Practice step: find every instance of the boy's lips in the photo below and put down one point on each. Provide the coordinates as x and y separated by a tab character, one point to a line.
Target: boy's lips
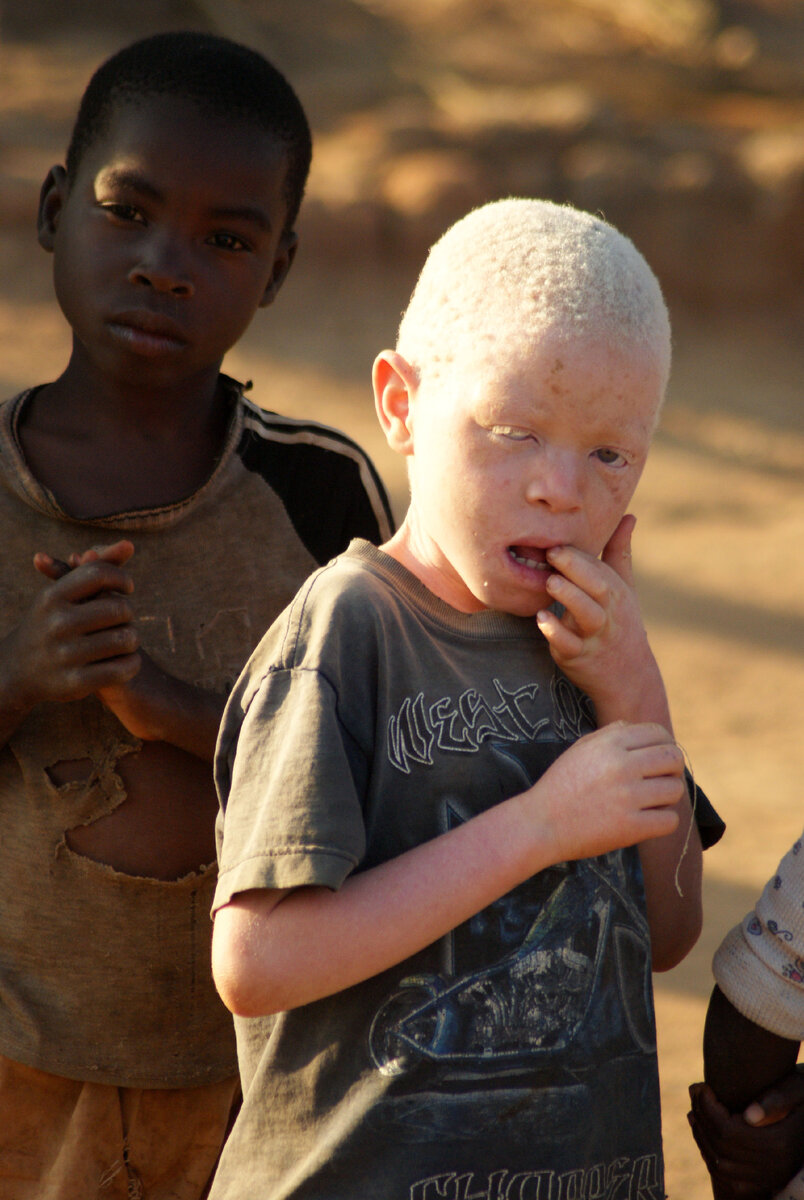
147	333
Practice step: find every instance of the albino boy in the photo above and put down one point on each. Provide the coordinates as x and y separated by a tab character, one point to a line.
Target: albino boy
431	864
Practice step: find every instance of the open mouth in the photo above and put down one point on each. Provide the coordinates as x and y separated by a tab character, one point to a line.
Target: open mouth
525	556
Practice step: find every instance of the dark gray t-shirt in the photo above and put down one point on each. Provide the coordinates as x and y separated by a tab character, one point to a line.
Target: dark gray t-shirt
515	1058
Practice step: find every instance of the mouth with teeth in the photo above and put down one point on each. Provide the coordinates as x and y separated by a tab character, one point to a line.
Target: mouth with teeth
524	556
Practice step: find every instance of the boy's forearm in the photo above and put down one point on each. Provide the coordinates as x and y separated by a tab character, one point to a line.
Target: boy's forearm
156	706
642	697
193	720
278	950
672	868
742	1060
307	943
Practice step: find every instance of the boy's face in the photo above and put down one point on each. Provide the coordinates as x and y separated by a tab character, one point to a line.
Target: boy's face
512	457
168	240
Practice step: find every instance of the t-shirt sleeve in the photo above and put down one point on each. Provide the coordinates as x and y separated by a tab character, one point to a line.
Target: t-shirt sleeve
759	965
292	816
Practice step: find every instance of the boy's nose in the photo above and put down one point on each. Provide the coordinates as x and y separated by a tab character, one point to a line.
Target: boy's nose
556	483
162	269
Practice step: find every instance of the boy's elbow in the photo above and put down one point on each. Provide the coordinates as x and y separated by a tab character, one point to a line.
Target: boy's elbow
237	966
675	942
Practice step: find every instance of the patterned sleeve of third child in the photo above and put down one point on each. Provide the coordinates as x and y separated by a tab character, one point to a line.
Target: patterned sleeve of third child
759	965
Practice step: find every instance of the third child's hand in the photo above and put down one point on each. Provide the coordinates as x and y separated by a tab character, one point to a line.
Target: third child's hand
748	1162
612	788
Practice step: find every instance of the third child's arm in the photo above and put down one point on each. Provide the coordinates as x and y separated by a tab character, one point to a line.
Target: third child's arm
748	1118
274	950
600	643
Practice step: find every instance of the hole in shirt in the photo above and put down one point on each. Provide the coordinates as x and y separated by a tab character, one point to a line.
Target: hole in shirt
164	825
69	770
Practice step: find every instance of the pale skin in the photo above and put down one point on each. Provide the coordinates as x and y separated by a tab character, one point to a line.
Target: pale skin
277	949
599	643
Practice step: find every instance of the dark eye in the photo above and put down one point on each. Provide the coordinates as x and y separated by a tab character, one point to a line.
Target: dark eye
228	241
124	212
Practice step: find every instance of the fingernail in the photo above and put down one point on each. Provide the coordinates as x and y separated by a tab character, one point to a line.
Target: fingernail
754	1114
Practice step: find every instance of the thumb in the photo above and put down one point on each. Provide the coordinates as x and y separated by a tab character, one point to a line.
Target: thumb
617	552
778	1101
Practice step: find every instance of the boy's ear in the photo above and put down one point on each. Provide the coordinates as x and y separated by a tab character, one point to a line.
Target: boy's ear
395	384
51	201
285	254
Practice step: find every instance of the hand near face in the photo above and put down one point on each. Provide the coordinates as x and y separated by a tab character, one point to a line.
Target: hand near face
599	640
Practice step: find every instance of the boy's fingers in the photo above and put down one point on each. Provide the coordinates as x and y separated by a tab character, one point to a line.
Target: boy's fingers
584	608
659	761
85	581
51	568
775	1104
562	640
579	568
645	733
116	552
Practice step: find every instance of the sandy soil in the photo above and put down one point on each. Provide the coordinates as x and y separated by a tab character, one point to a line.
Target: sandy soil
720	510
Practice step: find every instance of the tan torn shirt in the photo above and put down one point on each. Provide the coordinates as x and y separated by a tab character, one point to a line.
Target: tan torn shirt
106	976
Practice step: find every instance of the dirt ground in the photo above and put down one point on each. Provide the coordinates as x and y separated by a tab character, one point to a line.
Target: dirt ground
720	510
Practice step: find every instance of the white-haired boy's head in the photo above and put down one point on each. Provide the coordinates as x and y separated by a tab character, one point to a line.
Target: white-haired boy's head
516	271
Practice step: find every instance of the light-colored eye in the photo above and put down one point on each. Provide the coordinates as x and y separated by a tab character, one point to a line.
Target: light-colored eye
609	457
512	433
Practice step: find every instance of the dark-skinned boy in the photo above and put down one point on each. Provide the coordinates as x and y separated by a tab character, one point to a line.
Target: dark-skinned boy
169	520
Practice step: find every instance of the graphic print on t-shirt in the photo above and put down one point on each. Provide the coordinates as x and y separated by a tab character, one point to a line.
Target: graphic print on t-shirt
543	999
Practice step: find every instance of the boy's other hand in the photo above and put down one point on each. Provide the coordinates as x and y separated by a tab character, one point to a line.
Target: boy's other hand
746	1161
612	788
599	640
55	568
150	703
77	636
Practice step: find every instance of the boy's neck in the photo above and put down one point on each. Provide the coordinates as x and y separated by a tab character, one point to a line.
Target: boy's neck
104	448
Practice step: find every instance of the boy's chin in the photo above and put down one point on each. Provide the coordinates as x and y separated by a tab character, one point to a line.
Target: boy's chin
513	604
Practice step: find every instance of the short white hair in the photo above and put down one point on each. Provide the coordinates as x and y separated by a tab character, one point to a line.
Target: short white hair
516	270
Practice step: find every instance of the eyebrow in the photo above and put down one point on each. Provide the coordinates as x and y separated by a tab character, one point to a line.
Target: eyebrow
129	177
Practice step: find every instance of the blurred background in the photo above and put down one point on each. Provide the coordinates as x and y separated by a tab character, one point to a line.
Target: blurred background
682	122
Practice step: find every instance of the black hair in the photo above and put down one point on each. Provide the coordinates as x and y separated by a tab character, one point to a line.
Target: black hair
222	77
